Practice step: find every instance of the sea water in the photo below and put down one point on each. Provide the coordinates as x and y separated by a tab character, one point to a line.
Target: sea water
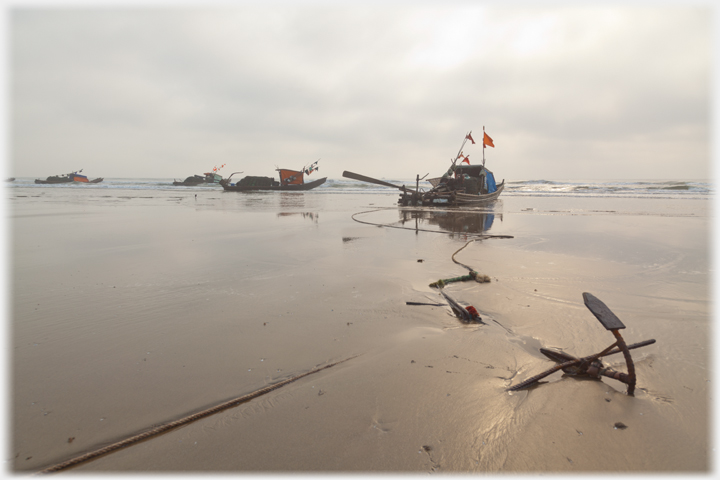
695	189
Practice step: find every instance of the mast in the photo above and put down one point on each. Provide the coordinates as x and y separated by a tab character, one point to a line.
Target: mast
461	146
483	145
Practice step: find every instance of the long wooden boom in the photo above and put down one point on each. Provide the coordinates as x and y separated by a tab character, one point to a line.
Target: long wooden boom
363	178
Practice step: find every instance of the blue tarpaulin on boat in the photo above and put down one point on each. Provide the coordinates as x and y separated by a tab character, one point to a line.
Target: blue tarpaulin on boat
490	179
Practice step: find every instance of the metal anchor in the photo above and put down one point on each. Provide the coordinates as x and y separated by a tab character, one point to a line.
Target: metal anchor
591	365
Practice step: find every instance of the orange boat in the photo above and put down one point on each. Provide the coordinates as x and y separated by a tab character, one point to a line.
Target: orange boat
70	177
290	180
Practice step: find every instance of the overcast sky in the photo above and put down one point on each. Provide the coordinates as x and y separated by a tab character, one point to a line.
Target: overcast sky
388	90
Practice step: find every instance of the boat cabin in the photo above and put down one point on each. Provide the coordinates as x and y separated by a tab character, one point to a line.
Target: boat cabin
474	179
290	177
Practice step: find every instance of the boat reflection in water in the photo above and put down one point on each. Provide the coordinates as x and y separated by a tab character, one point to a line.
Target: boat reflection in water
312	216
462	222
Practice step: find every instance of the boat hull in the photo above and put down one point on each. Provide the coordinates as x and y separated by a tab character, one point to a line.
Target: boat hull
54	182
193	184
466	199
282	188
429	199
198	180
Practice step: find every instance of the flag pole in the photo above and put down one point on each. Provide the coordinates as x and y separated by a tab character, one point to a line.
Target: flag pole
483	145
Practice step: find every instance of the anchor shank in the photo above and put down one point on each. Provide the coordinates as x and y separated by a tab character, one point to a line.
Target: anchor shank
628	360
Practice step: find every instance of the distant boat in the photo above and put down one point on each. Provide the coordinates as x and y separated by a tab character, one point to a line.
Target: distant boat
68	178
11	179
56	179
460	185
290	180
195	180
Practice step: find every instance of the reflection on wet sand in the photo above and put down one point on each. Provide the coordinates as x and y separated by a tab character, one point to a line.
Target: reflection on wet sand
292	199
455	221
312	216
283	201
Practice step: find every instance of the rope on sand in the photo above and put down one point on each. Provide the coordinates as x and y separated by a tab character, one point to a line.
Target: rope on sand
473	275
458	251
183	421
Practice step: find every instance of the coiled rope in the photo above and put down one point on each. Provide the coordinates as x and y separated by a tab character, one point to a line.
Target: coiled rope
183	421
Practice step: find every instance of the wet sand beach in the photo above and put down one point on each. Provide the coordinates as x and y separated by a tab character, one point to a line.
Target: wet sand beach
132	309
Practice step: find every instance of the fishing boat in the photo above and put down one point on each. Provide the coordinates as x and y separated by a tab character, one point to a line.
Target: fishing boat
68	178
195	180
461	185
290	180
209	178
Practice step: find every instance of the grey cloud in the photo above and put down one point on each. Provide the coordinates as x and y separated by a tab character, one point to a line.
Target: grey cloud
385	90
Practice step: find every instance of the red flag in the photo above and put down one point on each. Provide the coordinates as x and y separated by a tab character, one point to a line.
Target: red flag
487	140
467	160
469	137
